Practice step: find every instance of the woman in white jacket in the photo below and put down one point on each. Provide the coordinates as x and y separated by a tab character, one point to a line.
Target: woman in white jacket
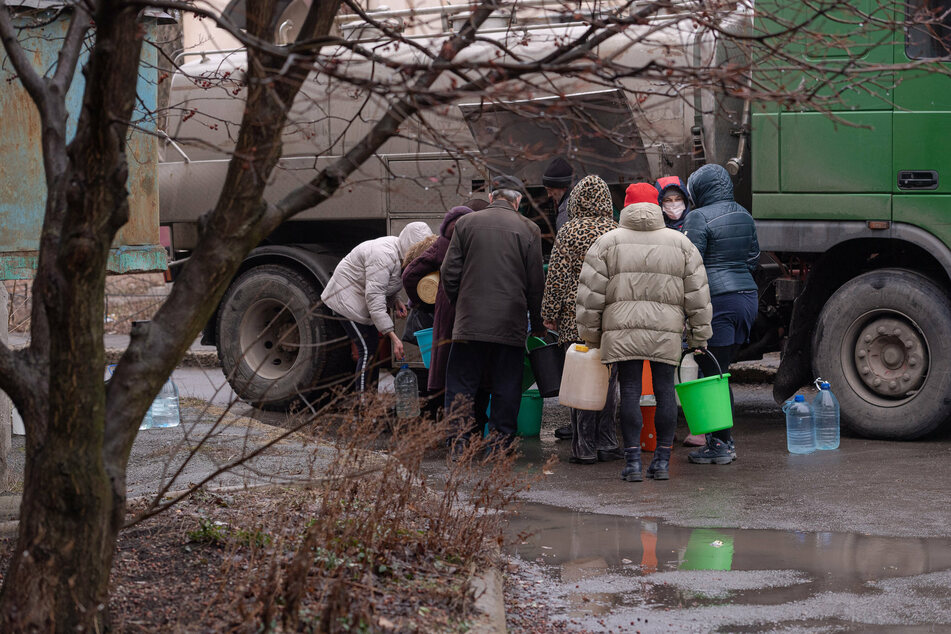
363	287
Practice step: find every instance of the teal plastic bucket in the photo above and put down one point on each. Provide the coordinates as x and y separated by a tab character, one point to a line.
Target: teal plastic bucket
424	339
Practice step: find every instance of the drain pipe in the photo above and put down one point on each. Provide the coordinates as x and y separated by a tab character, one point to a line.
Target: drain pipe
734	165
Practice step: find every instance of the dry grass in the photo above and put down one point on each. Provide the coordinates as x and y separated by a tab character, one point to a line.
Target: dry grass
375	542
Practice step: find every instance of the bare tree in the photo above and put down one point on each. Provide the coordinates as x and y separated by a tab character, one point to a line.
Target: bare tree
80	433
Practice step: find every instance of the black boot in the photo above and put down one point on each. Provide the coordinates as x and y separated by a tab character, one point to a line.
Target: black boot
659	468
632	470
564	432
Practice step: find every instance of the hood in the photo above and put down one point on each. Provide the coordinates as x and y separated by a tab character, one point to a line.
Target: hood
449	220
410	235
642	217
710	184
672	182
590	198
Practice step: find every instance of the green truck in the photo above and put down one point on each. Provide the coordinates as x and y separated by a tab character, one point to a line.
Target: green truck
835	135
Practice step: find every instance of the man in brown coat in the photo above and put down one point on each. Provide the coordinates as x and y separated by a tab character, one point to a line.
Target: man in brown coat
493	274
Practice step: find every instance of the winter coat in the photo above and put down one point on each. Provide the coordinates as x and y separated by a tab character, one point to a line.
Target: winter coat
638	283
722	230
368	278
591	216
445	313
664	185
562	216
493	274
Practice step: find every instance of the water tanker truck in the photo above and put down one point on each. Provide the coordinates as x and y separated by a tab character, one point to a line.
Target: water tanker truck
851	209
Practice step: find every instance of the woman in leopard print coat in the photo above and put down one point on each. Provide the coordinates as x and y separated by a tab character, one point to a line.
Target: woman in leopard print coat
590	215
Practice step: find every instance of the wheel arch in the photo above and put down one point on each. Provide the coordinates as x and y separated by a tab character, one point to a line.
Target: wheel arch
905	247
311	261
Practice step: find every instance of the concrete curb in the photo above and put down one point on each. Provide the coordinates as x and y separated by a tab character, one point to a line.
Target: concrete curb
489	604
192	359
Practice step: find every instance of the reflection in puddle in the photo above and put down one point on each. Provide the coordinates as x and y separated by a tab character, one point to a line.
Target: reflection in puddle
603	562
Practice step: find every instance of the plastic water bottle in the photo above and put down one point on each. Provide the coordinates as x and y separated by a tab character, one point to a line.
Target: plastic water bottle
689	371
825	410
407	393
800	426
165	411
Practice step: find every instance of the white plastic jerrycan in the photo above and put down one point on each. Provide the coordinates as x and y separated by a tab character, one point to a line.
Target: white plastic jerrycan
584	381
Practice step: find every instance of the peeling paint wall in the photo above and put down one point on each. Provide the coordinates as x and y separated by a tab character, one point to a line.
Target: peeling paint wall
22	180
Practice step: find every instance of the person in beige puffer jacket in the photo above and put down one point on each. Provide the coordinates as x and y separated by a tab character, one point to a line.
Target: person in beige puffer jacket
638	284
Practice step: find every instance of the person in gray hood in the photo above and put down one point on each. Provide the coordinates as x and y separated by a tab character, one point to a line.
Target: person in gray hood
725	234
362	289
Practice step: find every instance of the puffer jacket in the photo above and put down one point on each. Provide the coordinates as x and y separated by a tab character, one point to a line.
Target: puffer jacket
638	284
590	212
369	277
722	230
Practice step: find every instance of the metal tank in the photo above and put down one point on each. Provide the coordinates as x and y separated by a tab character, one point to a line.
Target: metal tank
626	131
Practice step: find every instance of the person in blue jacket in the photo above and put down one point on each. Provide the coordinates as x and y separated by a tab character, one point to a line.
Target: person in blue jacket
725	234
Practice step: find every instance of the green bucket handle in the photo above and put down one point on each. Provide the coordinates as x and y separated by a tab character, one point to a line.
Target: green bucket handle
706	352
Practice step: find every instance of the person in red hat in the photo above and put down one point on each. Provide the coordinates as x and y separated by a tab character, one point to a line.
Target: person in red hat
639	284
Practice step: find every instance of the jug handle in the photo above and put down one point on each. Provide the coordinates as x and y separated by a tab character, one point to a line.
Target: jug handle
706	352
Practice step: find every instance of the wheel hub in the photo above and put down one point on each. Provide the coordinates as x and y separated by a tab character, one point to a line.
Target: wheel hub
891	357
270	338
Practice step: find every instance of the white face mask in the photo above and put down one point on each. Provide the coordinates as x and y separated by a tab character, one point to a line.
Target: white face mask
674	210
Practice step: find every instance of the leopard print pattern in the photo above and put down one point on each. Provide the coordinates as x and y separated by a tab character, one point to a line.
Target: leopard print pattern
590	214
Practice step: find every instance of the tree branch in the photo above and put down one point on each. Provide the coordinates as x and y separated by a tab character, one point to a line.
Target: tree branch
31	80
69	53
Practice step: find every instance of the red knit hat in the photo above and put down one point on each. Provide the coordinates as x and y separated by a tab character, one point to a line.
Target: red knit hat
640	193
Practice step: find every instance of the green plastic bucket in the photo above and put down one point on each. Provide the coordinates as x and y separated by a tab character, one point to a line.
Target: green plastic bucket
529	418
708	549
706	402
530	413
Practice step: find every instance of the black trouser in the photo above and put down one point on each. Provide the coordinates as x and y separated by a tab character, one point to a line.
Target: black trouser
591	430
665	417
367	338
473	364
724	356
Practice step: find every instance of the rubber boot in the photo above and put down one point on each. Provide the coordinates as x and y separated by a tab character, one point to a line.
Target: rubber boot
659	468
632	470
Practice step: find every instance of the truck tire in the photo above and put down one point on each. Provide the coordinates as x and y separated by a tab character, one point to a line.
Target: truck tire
883	341
273	335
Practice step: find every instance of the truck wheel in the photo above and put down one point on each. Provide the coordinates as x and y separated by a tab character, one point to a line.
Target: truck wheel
883	342
272	331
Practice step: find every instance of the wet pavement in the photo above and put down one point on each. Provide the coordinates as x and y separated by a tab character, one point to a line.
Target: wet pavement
606	572
857	539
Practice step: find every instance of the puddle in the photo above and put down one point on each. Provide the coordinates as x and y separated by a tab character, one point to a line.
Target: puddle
598	566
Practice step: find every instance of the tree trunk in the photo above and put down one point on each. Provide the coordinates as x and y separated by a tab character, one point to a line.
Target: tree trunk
59	576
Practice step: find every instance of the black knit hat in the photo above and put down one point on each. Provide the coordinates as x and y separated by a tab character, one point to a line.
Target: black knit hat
558	174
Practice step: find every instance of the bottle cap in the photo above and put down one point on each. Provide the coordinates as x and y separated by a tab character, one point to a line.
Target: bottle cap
581	347
405	366
825	386
800	398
